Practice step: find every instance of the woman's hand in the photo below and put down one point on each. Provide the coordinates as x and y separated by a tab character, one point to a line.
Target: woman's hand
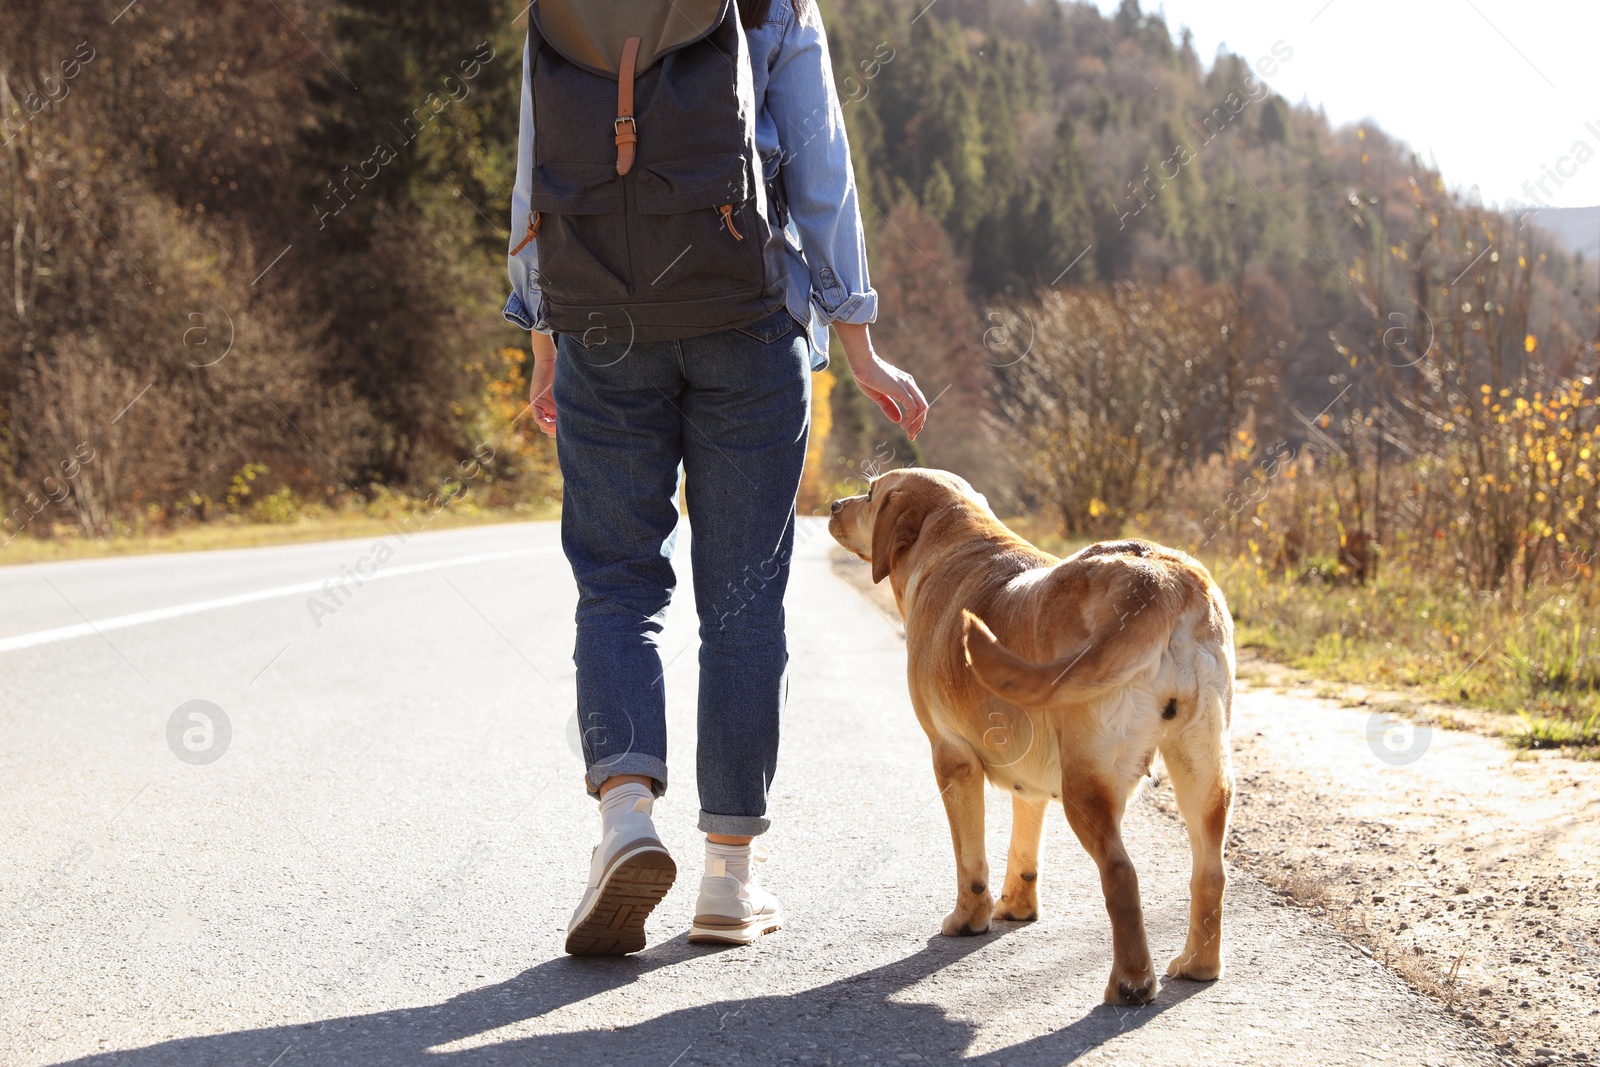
886	385
541	382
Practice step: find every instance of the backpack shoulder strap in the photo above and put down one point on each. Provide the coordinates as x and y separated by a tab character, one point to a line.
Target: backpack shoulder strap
593	33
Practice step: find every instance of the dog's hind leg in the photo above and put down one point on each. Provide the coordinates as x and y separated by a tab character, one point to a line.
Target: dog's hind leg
1197	759
1094	808
1019	899
960	778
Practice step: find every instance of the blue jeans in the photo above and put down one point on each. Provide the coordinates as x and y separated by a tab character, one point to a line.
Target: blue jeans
734	408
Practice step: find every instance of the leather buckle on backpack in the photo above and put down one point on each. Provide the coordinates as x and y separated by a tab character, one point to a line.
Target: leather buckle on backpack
626	141
627	137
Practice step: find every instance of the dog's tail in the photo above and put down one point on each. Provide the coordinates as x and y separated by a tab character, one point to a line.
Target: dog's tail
1100	666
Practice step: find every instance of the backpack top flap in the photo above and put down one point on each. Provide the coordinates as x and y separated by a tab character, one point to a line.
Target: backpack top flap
591	33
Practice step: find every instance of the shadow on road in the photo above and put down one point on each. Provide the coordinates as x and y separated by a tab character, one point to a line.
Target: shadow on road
852	1020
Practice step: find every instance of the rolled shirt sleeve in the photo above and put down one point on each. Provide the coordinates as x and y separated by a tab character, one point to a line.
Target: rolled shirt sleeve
817	176
525	305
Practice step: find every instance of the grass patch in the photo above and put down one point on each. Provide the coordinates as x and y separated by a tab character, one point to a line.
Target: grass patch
1533	656
1560	733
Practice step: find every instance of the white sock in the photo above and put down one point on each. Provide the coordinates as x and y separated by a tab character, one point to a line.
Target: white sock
630	796
730	861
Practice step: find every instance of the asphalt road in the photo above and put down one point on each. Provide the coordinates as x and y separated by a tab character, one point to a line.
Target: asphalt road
378	867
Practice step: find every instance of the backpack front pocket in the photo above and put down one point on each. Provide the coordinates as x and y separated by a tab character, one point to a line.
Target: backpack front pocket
695	231
584	229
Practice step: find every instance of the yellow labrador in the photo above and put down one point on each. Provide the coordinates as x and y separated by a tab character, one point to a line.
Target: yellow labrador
1058	679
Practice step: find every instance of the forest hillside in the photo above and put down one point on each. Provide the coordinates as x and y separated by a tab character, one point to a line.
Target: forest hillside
254	262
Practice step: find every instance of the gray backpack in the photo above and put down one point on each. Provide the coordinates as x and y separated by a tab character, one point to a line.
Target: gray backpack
647	201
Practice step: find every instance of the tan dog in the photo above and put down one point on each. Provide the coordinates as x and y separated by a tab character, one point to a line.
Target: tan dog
1058	679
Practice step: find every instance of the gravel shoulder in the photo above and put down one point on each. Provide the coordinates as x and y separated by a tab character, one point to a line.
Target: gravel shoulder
1465	865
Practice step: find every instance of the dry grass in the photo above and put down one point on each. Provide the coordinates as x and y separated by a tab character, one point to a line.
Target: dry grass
1308	888
1532	657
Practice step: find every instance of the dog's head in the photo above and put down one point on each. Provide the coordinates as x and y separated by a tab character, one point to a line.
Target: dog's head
882	525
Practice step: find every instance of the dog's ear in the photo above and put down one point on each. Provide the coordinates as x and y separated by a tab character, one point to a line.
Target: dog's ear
894	530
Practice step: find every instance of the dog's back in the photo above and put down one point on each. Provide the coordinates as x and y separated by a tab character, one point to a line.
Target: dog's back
1102	619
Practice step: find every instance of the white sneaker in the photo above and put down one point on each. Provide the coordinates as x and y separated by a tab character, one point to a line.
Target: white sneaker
628	875
734	912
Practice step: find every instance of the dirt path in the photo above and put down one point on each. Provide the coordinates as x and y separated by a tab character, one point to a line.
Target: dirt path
1468	868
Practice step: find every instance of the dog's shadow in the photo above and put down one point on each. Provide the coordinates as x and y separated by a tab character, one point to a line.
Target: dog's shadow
852	1020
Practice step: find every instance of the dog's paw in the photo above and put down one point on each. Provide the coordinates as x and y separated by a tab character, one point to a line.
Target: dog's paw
974	905
1133	986
1195	966
967	920
1020	908
955	925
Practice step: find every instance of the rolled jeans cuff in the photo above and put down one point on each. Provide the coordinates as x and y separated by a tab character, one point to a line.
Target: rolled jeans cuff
628	763
734	825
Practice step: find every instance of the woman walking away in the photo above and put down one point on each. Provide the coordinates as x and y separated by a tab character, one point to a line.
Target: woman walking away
685	230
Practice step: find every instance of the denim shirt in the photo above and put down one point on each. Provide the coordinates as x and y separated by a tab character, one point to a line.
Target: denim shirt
800	128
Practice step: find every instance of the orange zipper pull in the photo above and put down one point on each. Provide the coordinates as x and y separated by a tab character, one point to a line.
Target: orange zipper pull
534	218
727	220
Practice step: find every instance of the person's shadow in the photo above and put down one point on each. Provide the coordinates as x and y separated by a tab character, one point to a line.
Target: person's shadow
851	1021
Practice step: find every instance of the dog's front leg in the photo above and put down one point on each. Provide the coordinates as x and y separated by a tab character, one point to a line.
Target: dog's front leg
960	778
1019	898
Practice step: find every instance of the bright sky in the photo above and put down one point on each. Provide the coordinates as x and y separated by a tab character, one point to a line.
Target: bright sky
1492	91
